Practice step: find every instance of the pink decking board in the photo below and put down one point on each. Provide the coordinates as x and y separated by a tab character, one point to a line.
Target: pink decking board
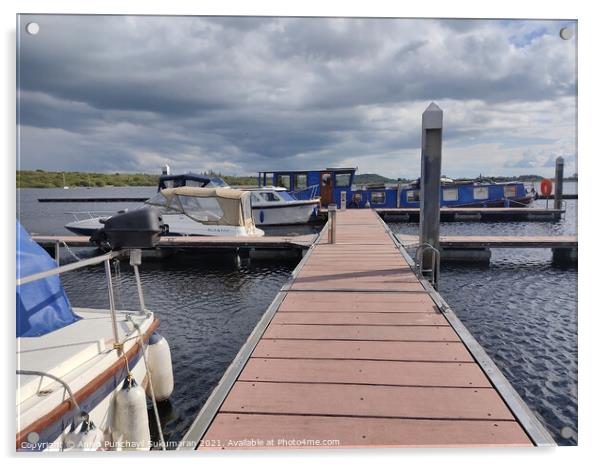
358	355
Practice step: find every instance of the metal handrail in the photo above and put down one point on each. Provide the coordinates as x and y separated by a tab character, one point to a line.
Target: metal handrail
435	262
313	189
69	267
53	377
106	258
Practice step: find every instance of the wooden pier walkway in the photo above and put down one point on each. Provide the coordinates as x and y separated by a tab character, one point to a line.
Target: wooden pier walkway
356	352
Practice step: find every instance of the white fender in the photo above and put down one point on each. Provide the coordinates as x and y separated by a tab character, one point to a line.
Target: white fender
158	356
130	419
83	437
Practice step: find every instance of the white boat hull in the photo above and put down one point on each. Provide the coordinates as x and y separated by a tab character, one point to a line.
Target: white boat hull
290	213
81	362
177	225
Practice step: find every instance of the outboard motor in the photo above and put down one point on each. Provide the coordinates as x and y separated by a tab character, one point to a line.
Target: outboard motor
138	229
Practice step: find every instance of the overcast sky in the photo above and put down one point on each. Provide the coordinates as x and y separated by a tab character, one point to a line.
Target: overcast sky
237	95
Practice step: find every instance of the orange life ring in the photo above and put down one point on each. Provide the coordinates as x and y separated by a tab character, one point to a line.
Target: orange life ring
546	187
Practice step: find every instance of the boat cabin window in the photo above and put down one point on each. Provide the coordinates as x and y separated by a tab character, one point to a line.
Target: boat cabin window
188	182
301	181
204	209
269	197
268	179
284	181
510	191
255	198
482	192
450	194
342	180
325	179
413	195
377	197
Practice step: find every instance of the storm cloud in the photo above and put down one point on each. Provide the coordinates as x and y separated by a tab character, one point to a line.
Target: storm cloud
236	95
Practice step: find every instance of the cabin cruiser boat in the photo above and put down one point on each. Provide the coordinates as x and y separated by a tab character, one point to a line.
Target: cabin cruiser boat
275	206
192	211
271	205
83	374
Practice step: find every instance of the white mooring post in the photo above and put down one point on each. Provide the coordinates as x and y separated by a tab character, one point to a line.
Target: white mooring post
343	200
332	223
558	183
430	181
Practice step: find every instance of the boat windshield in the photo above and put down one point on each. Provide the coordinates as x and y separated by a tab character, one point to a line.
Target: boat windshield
286	196
163	204
217	183
269	196
204	209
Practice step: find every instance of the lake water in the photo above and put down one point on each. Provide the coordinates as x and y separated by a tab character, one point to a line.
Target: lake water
521	309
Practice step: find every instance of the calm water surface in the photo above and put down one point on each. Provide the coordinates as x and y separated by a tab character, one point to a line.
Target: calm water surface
521	309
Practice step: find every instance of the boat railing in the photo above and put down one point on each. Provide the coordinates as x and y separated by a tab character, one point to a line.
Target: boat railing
135	256
135	259
313	191
91	214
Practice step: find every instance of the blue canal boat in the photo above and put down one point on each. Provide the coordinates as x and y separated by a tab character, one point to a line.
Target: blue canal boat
333	184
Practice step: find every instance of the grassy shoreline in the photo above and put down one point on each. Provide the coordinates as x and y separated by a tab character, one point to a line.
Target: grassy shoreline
48	179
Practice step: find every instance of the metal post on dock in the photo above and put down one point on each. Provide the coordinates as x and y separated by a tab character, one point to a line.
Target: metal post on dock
112	306
135	261
343	200
57	252
430	181
332	223
558	183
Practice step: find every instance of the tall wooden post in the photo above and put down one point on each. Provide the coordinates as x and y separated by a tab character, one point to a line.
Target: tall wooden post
558	183
430	178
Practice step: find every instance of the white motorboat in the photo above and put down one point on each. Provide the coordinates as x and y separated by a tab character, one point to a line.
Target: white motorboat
83	374
275	206
192	211
271	205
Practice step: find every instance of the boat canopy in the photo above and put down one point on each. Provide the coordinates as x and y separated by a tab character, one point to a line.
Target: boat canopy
190	179
214	206
42	305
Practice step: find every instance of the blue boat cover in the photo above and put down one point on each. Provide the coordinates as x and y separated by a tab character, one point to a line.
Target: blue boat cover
42	306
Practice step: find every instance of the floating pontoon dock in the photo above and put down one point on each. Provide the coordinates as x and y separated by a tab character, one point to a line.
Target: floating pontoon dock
257	247
454	248
477	248
357	350
472	214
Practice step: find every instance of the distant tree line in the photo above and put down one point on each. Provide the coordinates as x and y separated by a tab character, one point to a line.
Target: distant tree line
233	180
46	179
